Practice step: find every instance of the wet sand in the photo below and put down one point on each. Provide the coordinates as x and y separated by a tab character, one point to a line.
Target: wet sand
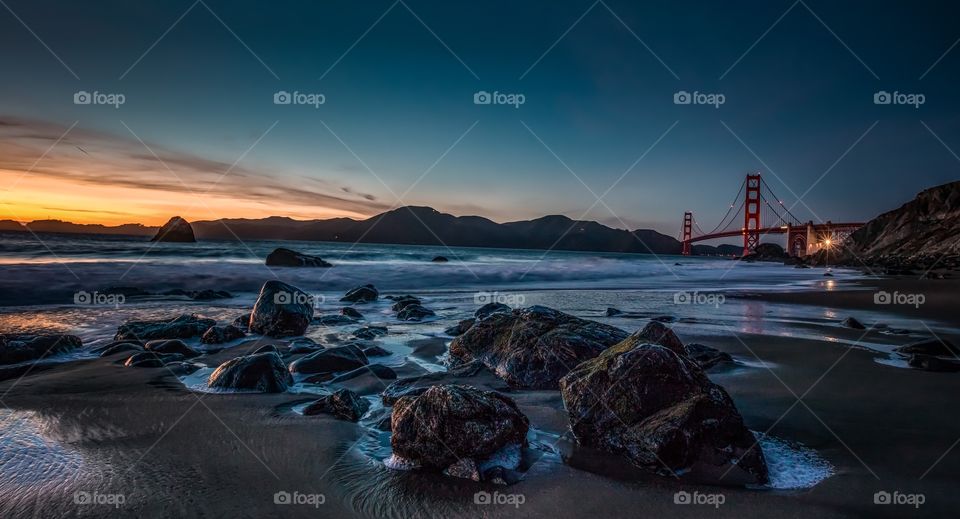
172	452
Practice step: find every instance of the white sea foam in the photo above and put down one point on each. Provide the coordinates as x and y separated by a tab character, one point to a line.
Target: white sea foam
793	466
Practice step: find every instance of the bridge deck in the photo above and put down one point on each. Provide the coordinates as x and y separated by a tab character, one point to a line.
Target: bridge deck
844	226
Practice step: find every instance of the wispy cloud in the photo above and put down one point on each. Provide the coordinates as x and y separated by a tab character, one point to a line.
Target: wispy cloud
93	157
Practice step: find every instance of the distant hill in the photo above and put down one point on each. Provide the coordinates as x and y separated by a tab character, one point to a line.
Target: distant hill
416	226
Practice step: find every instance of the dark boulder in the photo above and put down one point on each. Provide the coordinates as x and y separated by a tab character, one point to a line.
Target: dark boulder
343	404
171	346
242	322
930	347
150	359
263	372
491	308
175	230
282	257
932	363
852	322
460	328
533	347
656	332
361	294
707	357
181	327
414	313
440	259
16	347
401	302
340	358
222	334
281	310
349	311
657	408
613	311
451	422
370	332
378	370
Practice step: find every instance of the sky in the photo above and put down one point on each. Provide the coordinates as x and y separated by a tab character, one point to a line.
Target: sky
183	117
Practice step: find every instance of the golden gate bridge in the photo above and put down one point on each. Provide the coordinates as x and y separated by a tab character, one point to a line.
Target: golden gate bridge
759	213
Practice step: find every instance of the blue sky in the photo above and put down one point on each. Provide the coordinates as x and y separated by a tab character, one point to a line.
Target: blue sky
598	79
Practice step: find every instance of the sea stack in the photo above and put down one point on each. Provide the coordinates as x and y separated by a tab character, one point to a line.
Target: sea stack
175	230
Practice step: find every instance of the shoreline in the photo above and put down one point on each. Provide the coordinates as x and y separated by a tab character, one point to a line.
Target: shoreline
170	450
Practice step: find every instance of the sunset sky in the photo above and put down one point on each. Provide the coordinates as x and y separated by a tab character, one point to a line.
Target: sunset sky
199	134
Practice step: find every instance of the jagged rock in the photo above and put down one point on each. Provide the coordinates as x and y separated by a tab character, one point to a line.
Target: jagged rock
852	322
460	328
930	347
707	357
282	257
17	347
340	358
656	332
263	372
181	327
281	310
401	302
655	407
491	308
440	259
378	370
222	334
451	422
171	346
343	404
414	312
370	332
150	359
351	312
362	294
175	230
932	363
533	347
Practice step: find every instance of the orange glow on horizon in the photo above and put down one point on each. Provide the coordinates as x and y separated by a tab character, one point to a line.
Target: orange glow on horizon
35	197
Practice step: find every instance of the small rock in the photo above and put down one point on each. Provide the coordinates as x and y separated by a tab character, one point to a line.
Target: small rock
222	334
263	372
171	346
332	320
343	404
611	311
414	312
707	357
851	322
340	358
930	347
149	359
370	332
282	257
351	312
401	302
440	259
362	294
181	327
378	370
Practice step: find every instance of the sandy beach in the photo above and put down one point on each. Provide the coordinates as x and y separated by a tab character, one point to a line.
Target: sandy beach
170	451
